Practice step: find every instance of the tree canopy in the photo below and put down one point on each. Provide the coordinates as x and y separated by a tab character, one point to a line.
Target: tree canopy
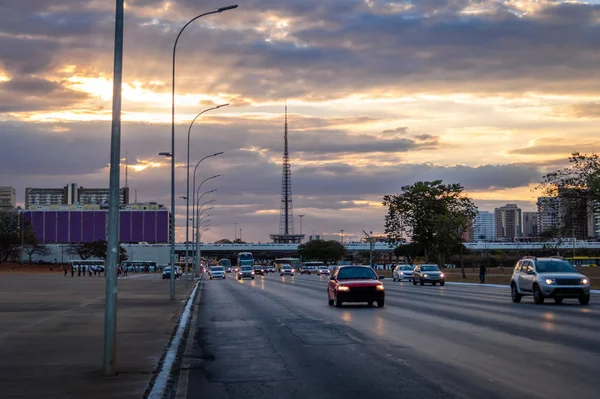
95	249
321	250
434	214
10	236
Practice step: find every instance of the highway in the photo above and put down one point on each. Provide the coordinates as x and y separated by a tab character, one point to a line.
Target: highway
277	338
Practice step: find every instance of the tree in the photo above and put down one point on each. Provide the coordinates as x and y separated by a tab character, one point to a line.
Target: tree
577	190
223	241
409	251
321	250
95	249
31	245
436	214
10	236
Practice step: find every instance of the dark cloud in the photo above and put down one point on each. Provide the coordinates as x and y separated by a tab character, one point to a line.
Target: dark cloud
23	94
555	146
584	111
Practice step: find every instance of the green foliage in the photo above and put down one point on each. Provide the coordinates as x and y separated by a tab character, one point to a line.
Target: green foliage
95	249
435	215
409	251
320	250
10	236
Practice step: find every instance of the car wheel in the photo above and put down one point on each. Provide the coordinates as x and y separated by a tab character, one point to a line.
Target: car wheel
331	302
538	297
434	283
252	278
514	294
394	278
442	283
421	282
370	304
380	303
338	303
414	282
211	277
558	300
584	299
239	278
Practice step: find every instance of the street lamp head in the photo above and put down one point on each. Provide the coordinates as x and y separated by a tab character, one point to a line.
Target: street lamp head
217	153
183	197
222	105
227	8
166	154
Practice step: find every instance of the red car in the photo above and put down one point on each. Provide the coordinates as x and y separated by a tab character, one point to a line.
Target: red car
355	284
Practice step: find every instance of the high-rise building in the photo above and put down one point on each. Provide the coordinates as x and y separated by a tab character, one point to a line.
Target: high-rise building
71	194
483	226
286	216
547	214
508	219
8	198
530	224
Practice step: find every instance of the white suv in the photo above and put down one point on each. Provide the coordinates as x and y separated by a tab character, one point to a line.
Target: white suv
551	277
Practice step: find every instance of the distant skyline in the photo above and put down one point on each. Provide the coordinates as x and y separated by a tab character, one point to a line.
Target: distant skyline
490	94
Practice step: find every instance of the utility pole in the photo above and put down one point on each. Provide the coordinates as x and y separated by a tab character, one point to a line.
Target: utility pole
370	237
342	234
235	232
301	216
113	250
240	235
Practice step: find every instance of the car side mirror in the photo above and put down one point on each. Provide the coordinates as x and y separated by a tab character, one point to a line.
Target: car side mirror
381	277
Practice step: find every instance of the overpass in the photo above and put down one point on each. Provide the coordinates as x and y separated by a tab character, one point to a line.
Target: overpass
160	252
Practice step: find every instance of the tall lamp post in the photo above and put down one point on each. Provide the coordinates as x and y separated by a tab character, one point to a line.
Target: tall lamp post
172	232
187	204
172	238
112	259
370	237
197	190
199	208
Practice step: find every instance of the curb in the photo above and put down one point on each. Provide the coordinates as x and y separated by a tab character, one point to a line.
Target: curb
499	286
161	382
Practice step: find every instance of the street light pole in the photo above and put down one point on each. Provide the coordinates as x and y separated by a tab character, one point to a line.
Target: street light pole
197	266
370	237
187	184
113	253
172	230
342	235
193	194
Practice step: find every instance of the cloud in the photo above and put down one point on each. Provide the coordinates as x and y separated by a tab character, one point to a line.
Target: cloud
26	94
583	111
556	146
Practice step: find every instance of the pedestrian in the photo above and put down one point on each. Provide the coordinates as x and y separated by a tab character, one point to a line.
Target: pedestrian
482	271
79	271
72	271
65	269
90	270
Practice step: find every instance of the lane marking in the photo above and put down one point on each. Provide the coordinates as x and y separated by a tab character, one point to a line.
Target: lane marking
160	383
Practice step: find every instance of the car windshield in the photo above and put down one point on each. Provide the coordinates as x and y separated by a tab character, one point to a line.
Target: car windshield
430	269
356	273
286	267
246	268
554	266
323	268
405	268
217	269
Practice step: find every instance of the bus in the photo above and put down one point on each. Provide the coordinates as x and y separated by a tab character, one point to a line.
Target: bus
295	262
245	259
584	261
226	263
139	266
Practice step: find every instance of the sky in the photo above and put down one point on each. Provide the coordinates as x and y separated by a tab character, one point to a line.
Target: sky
490	94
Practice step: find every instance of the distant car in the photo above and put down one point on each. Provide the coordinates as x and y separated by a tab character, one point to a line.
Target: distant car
269	269
430	274
246	272
402	272
551	277
323	271
259	270
216	272
167	273
305	270
355	284
228	270
286	270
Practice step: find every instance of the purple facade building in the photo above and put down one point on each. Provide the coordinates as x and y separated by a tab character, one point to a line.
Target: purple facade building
69	226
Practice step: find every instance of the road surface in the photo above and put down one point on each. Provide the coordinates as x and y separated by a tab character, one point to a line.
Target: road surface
277	338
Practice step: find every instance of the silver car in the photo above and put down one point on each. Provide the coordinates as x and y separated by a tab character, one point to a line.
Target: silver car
286	270
216	272
551	277
402	272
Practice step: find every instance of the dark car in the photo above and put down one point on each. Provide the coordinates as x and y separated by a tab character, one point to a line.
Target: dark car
259	270
430	274
246	272
355	284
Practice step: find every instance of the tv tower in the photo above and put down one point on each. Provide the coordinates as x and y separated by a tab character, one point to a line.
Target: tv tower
286	214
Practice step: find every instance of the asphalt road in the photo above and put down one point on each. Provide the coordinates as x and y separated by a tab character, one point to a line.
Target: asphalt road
276	337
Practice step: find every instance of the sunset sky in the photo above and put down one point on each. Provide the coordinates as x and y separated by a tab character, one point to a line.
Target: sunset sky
490	94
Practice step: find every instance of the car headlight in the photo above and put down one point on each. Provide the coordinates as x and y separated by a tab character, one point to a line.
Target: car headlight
550	281
426	275
402	273
293	270
343	288
380	287
442	275
252	272
585	281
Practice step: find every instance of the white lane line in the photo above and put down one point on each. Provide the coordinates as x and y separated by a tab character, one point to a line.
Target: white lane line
500	286
160	383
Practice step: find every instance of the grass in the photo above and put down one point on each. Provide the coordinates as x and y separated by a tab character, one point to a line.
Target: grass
500	275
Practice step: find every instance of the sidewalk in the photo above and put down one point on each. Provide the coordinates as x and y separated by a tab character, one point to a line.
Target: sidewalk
52	332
